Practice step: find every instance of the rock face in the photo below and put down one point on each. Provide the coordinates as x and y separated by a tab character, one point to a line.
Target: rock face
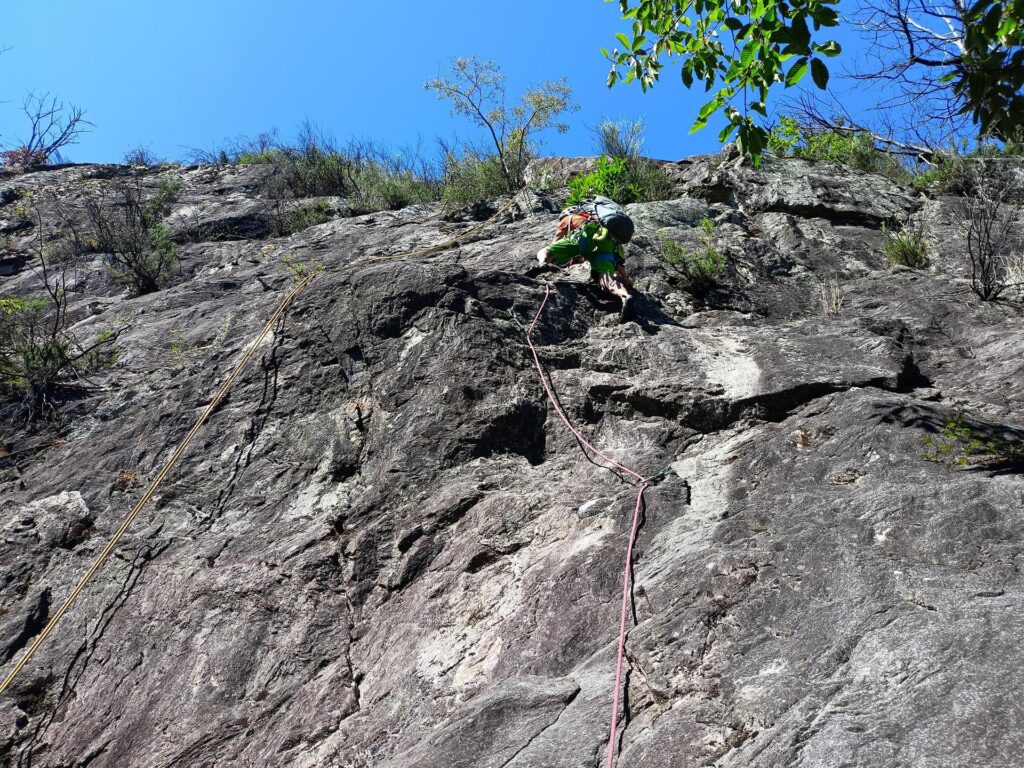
384	549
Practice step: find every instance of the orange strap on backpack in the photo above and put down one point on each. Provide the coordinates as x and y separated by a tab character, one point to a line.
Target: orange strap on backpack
570	222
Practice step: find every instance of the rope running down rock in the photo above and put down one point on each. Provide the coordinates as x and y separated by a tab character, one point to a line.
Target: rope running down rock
187	440
644	483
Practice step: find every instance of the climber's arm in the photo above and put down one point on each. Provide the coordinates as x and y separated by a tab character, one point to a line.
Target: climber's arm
620	270
561	252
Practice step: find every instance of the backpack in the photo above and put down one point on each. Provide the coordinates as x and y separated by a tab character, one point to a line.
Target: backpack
610	214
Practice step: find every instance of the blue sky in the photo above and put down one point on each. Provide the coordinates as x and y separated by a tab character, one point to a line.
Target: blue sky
183	74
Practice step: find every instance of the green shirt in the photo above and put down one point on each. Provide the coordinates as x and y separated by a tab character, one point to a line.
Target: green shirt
592	242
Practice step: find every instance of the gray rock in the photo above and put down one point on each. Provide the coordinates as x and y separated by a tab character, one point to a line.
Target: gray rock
385	549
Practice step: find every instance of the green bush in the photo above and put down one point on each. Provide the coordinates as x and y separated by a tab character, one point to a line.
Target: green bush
960	443
384	189
906	247
625	180
609	179
39	356
261	157
696	271
306	216
947	175
847	148
139	250
784	138
620	138
371	177
955	171
471	178
32	359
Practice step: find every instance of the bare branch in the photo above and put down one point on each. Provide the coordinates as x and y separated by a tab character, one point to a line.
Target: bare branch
52	126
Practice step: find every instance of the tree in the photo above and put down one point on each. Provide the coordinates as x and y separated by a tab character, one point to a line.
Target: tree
476	89
40	356
52	125
989	216
936	67
743	46
138	248
947	59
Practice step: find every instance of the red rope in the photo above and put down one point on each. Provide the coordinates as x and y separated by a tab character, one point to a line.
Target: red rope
632	534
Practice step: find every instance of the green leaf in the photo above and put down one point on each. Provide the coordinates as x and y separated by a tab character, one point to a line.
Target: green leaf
749	51
697	125
831	48
819	72
638	42
796	72
726	132
687	75
604	52
801	34
991	21
708	108
622	39
733	23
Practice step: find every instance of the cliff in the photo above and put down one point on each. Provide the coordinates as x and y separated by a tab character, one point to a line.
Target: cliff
384	549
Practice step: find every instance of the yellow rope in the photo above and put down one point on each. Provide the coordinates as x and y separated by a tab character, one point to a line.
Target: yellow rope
183	445
102	558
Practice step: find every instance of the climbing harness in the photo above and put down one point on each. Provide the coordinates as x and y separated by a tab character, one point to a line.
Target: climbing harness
217	398
643	484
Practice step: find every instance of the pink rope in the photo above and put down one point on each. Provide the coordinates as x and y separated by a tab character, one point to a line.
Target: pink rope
632	534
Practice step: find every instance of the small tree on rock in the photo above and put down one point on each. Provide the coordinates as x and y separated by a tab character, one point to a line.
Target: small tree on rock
52	127
476	89
989	217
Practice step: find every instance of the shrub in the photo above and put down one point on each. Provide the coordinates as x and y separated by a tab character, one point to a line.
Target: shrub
620	138
625	180
371	177
696	271
960	443
906	247
32	359
139	250
22	158
989	217
783	138
609	179
38	354
141	156
850	148
622	173
304	217
316	173
392	182
253	149
954	171
471	177
948	174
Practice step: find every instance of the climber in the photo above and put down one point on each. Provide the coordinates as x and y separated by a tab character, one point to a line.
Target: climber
595	231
